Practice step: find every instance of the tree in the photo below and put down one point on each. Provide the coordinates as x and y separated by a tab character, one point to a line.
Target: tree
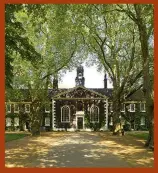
57	50
16	40
142	16
69	33
112	38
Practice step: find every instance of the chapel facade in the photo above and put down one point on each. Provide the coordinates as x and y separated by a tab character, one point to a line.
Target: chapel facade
78	108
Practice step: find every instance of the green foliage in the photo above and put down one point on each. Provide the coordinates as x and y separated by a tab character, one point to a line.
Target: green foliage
14	136
42	41
127	127
140	135
16	41
96	125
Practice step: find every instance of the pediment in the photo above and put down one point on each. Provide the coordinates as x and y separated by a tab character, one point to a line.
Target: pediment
80	92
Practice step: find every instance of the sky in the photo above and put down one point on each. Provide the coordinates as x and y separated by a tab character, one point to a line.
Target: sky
93	78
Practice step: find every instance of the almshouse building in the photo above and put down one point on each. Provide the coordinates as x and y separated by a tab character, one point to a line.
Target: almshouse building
78	108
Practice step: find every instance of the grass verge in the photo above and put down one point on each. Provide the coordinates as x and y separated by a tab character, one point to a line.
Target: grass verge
140	135
14	136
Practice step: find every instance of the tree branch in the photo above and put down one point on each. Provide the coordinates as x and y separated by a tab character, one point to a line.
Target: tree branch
62	66
133	91
103	55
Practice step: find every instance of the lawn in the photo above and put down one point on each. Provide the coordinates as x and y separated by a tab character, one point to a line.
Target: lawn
14	136
140	135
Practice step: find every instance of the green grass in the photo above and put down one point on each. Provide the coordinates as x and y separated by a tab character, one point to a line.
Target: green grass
14	136
140	135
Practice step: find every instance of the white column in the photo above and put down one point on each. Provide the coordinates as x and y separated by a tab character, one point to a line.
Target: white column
106	114
106	127
53	114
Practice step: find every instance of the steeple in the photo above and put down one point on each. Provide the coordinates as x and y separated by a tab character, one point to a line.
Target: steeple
80	80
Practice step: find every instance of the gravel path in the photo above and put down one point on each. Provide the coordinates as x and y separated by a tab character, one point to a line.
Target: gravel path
80	149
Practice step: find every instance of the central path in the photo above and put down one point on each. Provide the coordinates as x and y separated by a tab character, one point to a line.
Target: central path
78	149
84	150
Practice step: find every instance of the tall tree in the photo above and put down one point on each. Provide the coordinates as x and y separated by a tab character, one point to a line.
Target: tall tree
142	16
16	40
113	39
57	49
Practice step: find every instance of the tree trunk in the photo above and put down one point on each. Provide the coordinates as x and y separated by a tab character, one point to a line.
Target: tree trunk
150	141
36	118
35	128
147	84
21	125
117	126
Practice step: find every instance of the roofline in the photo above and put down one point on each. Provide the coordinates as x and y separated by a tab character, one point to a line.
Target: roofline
71	89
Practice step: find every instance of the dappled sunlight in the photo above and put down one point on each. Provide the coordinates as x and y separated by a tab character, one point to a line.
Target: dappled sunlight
130	149
82	149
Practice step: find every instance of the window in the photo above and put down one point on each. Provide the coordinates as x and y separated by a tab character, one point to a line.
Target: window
16	121
27	108
16	108
132	107
47	121
8	122
142	107
47	108
110	107
8	108
122	107
142	121
94	114
111	121
65	114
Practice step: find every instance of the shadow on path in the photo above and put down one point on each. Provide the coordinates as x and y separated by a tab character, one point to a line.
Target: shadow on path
81	149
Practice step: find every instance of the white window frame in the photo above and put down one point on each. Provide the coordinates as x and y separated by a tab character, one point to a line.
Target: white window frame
8	123
123	107
130	110
111	121
142	121
29	108
111	107
46	123
91	114
141	107
14	108
47	111
16	121
68	114
7	108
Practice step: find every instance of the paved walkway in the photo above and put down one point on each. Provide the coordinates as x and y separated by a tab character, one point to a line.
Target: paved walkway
80	149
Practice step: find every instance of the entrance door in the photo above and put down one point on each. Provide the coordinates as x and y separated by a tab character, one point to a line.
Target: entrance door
80	122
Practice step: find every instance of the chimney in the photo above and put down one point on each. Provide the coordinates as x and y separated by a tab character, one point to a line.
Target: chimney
55	83
105	81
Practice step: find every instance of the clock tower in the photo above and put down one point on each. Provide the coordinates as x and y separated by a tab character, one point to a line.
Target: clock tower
80	80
